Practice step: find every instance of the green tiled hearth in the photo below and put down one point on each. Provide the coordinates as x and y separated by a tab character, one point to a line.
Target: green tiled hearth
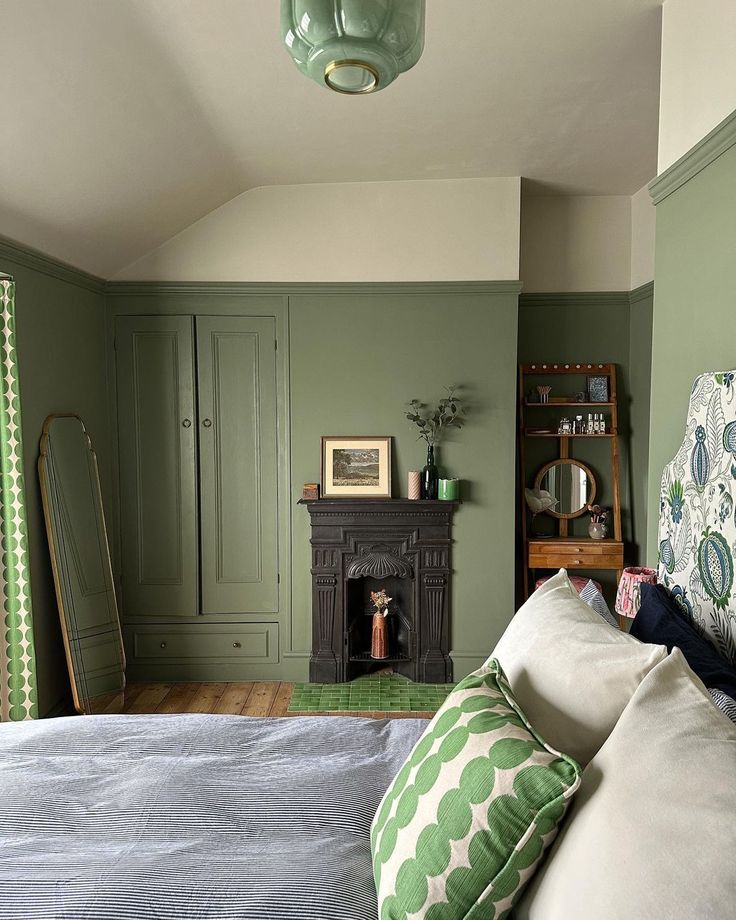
375	693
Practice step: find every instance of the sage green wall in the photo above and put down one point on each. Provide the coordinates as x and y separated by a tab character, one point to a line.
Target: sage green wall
61	355
640	387
355	360
694	306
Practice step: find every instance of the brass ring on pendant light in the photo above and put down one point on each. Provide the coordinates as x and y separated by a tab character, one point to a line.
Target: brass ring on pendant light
336	65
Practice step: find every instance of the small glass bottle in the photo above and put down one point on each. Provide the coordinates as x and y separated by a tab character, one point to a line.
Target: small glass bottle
590	423
602	425
596	425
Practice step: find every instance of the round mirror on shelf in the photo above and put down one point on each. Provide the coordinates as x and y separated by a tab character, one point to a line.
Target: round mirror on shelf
571	483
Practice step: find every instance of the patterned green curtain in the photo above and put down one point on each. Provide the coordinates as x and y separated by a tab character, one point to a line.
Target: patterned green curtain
17	658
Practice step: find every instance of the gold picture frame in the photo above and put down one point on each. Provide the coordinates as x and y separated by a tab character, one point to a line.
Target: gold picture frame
355	467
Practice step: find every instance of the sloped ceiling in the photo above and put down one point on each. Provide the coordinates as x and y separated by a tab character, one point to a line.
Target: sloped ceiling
124	121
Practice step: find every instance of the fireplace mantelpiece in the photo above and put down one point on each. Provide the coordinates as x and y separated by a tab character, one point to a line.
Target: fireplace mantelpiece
402	545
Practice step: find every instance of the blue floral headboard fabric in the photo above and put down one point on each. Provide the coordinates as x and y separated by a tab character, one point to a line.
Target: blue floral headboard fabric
697	523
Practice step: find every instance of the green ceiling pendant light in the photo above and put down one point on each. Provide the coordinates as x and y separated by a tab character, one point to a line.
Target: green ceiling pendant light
353	46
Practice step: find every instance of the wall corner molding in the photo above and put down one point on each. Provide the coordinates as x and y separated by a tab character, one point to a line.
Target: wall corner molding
127	288
720	139
643	292
32	258
575	298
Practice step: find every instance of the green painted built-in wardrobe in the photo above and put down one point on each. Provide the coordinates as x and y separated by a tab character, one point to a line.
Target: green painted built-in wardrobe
197	400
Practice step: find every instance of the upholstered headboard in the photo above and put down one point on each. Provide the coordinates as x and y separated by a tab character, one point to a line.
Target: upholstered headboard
697	523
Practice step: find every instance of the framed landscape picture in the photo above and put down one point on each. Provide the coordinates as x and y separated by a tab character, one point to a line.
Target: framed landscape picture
357	467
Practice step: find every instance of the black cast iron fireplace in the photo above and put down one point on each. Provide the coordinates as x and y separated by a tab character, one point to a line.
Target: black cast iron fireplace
363	545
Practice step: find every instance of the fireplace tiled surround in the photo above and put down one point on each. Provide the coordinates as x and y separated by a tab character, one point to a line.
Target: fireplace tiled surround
363	545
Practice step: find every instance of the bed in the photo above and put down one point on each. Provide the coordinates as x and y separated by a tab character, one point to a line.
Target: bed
193	816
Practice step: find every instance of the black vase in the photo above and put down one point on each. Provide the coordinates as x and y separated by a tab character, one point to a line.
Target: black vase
430	476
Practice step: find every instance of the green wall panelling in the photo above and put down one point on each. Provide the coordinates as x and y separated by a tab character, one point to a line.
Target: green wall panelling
695	298
356	358
62	358
640	387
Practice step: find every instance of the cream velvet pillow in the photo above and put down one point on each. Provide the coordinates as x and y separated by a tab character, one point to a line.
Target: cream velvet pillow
652	831
571	672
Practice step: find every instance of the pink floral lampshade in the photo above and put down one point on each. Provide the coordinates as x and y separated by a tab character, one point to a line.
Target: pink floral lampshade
628	597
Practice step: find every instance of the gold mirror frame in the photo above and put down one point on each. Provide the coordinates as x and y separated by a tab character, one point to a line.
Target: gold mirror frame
112	682
568	461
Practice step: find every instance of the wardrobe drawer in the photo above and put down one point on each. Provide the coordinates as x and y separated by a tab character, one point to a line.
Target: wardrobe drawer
249	642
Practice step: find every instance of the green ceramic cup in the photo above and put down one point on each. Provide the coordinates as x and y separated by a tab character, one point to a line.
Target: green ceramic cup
449	490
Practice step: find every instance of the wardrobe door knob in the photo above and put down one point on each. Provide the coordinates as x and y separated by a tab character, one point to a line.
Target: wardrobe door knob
237	645
207	423
163	645
187	423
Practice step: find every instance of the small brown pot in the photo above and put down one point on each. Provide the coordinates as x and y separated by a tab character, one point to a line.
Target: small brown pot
379	637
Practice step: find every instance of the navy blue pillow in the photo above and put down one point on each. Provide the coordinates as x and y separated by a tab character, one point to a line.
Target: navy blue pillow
659	622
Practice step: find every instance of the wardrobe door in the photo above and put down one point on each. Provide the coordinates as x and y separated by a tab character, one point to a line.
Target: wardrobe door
236	360
157	430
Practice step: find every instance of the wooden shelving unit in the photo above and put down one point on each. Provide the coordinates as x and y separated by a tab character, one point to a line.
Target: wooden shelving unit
564	550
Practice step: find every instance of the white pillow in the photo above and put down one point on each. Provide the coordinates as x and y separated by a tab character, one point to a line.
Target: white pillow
652	831
571	673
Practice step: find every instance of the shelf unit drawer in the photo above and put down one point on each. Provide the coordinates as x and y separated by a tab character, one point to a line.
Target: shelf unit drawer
247	643
575	548
557	560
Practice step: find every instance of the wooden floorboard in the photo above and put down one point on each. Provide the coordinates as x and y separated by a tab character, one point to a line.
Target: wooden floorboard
148	699
179	698
234	698
261	697
281	700
249	698
207	697
131	694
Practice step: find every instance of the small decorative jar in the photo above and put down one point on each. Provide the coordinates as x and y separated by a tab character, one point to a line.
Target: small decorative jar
565	426
414	484
449	490
597	530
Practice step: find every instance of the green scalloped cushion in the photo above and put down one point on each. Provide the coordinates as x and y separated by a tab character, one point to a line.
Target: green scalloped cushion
463	825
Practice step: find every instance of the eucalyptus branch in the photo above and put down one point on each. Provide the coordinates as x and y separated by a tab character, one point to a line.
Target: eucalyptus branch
431	422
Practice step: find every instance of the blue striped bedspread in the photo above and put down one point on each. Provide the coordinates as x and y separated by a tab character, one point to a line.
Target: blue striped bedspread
193	816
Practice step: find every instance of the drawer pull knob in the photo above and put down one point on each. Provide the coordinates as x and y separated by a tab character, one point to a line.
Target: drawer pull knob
237	645
163	645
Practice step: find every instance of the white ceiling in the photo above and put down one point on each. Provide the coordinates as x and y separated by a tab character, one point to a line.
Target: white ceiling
124	121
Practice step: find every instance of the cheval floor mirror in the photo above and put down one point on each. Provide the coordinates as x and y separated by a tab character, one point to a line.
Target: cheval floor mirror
80	560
